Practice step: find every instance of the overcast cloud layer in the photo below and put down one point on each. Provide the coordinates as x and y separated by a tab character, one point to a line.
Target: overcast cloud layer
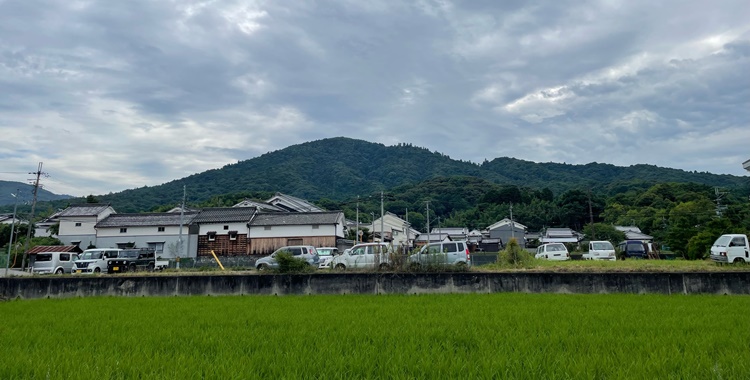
113	95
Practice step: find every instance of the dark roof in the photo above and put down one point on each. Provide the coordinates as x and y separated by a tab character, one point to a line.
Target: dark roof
145	219
54	248
296	218
224	214
86	209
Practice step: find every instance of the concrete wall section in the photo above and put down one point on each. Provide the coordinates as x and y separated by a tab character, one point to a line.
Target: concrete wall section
375	283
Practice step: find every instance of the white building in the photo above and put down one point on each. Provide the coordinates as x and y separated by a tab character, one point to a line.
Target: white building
399	230
270	231
158	231
78	222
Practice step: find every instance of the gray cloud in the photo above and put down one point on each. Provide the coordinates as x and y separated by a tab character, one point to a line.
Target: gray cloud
115	95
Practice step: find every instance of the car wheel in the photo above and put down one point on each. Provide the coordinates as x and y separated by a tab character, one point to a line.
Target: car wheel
262	267
384	266
59	271
97	270
132	268
150	267
738	260
340	266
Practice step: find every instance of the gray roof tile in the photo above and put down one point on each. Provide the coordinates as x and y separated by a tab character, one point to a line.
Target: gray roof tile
145	219
86	209
297	218
224	215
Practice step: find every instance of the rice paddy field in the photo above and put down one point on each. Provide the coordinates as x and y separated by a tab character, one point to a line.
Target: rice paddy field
509	335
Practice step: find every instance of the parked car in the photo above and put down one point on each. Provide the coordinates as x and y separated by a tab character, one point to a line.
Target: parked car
365	256
552	251
731	248
305	252
131	260
94	260
326	255
53	262
635	249
442	253
600	250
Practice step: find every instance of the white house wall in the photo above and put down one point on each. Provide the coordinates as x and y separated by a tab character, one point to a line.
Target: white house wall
240	227
292	231
68	226
140	231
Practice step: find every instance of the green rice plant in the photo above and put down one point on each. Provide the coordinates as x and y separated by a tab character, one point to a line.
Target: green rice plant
513	335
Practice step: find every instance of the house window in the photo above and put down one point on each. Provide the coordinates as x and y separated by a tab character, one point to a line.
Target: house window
158	247
316	226
160	229
123	230
78	224
267	228
226	228
211	235
232	235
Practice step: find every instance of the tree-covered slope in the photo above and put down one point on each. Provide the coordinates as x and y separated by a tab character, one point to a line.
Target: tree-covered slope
25	193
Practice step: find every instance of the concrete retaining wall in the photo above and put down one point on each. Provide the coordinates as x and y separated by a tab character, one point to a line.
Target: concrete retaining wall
375	283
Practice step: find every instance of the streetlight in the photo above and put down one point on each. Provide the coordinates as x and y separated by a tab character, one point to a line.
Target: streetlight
12	227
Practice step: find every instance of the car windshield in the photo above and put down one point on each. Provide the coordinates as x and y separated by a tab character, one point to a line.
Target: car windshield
91	256
325	251
602	246
722	241
556	247
636	247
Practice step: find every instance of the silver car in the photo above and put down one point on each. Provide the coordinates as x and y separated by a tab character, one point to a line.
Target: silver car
305	252
53	262
442	253
326	256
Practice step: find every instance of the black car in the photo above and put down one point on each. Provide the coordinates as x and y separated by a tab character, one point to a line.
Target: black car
131	260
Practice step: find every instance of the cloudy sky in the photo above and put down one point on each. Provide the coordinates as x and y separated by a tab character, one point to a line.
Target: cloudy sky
113	95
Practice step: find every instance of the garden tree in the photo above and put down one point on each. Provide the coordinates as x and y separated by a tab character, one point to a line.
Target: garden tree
19	233
686	220
603	231
514	255
574	208
54	229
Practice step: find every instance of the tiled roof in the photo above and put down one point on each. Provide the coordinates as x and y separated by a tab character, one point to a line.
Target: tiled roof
145	219
297	218
293	203
86	209
224	214
54	248
260	205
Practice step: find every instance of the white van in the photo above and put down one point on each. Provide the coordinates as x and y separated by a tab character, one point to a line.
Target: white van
366	255
731	248
442	253
53	262
600	250
95	260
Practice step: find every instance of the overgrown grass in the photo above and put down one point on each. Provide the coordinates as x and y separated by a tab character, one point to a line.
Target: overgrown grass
530	336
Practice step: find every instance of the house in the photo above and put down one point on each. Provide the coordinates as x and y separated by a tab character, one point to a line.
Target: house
270	231
9	219
423	239
261	206
634	233
456	233
158	231
292	204
77	223
397	230
560	235
506	229
222	230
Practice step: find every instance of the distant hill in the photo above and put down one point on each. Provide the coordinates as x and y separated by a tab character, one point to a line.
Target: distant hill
26	193
342	168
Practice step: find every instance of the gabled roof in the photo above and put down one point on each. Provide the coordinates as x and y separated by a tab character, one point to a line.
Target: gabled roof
262	206
146	219
85	209
54	248
224	215
297	218
293	204
433	237
450	230
628	228
505	222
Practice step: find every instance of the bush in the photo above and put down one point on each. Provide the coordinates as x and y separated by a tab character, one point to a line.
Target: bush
290	264
514	255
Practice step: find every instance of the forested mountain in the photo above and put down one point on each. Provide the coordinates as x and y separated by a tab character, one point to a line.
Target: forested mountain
341	168
25	193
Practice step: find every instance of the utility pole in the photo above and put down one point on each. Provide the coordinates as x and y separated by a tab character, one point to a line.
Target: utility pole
591	216
31	218
512	225
356	235
182	215
382	216
719	207
408	233
12	226
428	221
